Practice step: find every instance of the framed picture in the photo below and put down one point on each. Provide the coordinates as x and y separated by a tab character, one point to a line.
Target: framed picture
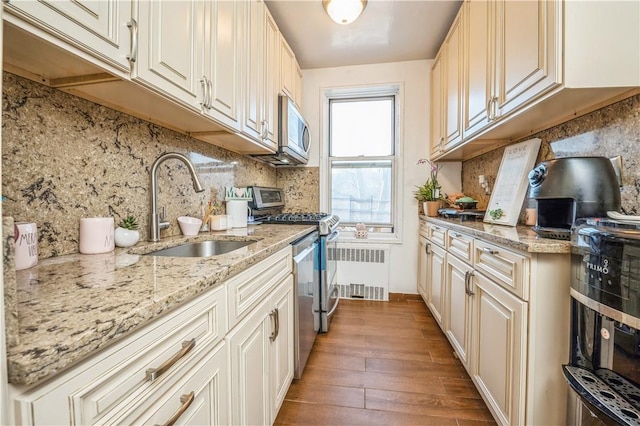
511	183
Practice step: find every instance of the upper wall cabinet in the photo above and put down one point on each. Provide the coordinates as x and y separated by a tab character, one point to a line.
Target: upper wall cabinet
528	65
452	80
170	52
98	30
437	105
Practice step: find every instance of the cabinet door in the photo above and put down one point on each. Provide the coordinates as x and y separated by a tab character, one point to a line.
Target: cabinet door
223	60
453	85
282	345
458	307
527	52
477	68
99	27
436	276
254	81
272	81
499	349
287	70
170	45
249	360
437	105
298	93
423	253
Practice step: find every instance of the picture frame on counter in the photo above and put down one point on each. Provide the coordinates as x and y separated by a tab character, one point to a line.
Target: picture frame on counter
511	183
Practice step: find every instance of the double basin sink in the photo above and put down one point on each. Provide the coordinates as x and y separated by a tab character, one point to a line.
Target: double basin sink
202	248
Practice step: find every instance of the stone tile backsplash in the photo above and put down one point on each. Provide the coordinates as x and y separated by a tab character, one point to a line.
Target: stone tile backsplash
611	131
64	158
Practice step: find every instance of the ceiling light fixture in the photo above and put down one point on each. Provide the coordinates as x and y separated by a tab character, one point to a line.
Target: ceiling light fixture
344	11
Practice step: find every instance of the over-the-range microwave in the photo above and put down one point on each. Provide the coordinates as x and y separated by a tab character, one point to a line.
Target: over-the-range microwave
293	136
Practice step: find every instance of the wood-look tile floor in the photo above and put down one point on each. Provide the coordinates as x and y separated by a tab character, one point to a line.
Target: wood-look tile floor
383	363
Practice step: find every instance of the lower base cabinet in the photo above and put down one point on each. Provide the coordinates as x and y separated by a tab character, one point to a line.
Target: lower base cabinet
185	366
261	359
506	315
499	330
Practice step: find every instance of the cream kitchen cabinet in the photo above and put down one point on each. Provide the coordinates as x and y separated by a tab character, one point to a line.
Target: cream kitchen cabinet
423	252
499	351
142	376
506	314
452	81
261	358
437	105
299	88
526	66
262	75
228	348
434	267
170	55
287	69
457	297
97	28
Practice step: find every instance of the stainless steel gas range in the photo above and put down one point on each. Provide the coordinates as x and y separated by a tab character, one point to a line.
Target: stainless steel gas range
267	207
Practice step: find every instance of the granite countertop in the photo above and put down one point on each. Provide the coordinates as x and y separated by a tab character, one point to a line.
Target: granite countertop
519	237
70	306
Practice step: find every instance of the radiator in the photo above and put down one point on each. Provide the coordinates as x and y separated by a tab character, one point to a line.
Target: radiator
362	273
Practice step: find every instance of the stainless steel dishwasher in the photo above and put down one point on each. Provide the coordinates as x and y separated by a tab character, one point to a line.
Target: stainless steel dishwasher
307	300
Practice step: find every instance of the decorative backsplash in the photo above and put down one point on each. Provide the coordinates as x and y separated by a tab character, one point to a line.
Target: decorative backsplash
609	132
301	186
65	158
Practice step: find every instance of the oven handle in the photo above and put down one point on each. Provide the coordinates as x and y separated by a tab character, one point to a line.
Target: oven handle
304	253
333	236
335	306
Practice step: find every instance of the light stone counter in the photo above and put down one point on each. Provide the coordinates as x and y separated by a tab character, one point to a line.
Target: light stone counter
70	306
519	237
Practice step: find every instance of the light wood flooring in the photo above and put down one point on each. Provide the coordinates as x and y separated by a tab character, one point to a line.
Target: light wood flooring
383	363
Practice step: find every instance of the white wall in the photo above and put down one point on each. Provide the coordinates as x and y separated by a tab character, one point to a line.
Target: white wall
414	76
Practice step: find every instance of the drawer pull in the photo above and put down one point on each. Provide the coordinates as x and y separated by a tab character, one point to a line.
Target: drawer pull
276	325
489	251
186	401
154	373
457	235
427	248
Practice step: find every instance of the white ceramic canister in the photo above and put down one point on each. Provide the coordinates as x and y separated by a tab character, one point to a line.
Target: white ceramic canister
238	209
96	235
218	222
26	245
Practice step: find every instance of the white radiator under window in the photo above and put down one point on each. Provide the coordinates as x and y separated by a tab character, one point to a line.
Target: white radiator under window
363	272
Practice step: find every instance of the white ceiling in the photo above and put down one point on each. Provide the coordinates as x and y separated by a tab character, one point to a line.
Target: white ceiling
387	31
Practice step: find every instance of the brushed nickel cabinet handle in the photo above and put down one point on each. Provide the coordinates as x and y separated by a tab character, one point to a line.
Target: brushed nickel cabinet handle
133	54
205	88
210	87
274	333
466	282
154	373
470	292
186	401
489	251
277	323
427	248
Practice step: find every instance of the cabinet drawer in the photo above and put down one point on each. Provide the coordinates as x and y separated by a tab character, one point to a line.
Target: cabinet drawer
506	268
424	229
97	386
460	245
197	394
437	234
247	289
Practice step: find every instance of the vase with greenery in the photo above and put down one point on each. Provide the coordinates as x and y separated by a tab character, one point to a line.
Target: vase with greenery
429	192
127	234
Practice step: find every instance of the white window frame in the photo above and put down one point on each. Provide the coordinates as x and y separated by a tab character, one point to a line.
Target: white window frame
390	89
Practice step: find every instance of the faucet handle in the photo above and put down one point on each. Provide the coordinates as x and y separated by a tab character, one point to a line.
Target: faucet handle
162	213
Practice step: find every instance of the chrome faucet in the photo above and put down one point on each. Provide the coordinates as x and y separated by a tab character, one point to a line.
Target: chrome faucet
157	221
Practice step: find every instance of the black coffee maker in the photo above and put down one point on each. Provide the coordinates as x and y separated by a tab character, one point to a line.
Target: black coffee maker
569	188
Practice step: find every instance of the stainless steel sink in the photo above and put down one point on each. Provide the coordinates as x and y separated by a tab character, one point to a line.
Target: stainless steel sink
201	249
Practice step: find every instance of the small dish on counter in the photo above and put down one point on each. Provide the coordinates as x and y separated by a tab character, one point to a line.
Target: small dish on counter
189	226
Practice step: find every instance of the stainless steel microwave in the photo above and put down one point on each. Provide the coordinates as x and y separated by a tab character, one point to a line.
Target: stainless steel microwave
293	136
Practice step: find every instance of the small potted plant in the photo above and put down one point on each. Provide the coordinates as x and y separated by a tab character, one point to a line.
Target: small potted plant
127	233
429	192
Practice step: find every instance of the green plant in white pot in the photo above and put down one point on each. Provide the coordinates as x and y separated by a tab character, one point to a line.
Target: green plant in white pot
127	233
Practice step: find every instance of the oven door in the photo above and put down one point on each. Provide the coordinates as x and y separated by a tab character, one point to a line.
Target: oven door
329	281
